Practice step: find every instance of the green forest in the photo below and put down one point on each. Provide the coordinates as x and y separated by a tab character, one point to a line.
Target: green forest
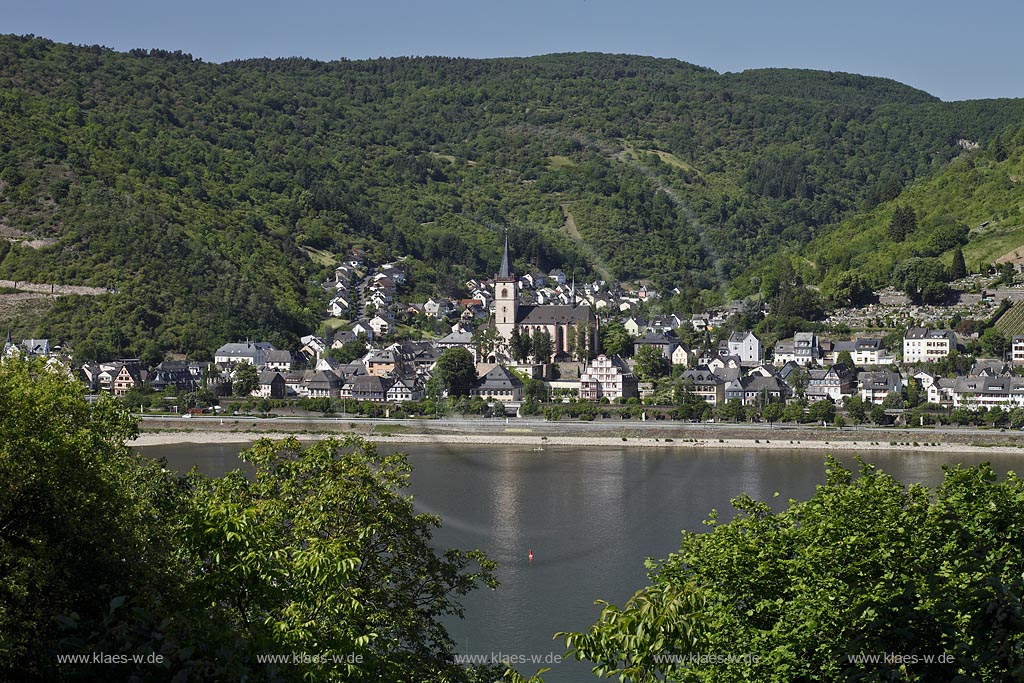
209	198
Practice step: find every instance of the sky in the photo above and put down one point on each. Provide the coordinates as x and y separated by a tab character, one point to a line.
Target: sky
954	51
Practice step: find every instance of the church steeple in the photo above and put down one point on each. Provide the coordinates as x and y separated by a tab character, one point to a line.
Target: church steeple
505	272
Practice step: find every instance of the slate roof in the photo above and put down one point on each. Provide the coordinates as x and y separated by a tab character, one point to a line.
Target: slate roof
498	379
553	315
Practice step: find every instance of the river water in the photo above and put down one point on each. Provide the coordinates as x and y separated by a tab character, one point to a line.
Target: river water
590	518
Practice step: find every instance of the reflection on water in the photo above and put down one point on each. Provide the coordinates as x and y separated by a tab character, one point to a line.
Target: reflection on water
590	516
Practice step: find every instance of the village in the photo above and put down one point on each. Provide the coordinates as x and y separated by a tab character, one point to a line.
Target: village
534	340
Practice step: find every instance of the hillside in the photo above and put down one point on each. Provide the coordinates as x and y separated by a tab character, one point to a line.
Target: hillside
210	197
974	203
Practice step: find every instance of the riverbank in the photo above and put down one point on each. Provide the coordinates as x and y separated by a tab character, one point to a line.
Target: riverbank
539	435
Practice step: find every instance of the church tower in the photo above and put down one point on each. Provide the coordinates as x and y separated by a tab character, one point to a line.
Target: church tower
506	298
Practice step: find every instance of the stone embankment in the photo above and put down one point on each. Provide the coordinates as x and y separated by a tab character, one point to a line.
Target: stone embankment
52	289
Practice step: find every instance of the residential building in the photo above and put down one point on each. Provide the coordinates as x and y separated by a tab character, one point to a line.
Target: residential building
324	384
982	391
461	338
747	347
381	327
369	388
683	355
835	383
271	385
803	350
749	389
131	375
607	377
635	327
664	343
921	345
1017	349
279	359
499	384
863	351
172	375
404	389
876	386
381	363
253	353
702	382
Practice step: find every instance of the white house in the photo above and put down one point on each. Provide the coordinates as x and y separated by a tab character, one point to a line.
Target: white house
635	326
683	355
1017	349
803	349
876	386
379	325
922	345
747	347
607	377
253	353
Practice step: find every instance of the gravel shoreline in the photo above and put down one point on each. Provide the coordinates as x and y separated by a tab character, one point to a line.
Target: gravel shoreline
722	438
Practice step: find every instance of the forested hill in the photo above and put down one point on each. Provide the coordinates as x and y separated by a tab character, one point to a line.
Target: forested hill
210	197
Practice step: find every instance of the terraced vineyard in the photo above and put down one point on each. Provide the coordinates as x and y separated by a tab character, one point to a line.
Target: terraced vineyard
1012	321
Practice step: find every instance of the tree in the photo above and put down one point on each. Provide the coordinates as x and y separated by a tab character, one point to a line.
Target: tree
581	342
650	363
85	525
849	571
999	152
615	340
798	379
102	550
486	340
851	289
856	408
543	346
994	343
517	346
455	371
922	279
321	552
904	222
244	379
794	411
351	350
822	411
731	410
959	267
846	360
772	412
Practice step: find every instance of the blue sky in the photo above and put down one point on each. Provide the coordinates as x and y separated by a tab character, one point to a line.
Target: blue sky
952	50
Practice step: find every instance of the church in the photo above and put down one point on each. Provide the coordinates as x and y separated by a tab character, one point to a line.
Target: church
561	321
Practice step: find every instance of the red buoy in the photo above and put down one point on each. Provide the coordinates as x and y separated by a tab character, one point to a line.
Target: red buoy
531	554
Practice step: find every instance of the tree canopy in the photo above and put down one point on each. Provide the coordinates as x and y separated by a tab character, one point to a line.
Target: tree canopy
318	552
866	566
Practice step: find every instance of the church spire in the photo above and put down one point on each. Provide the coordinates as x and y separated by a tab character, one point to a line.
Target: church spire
505	272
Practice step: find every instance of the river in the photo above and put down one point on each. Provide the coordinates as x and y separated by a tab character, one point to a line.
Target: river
590	518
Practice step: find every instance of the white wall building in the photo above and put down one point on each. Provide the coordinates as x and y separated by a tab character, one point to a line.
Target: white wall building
921	345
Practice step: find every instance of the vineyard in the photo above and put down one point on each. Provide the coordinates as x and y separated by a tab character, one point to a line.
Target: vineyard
1012	321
